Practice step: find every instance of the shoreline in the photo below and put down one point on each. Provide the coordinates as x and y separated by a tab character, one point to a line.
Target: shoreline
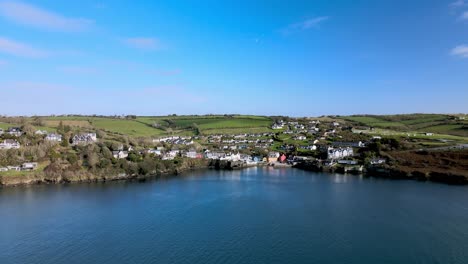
393	174
384	173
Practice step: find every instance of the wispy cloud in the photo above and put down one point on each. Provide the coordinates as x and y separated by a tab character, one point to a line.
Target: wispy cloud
306	24
29	15
19	49
98	100
78	69
144	43
460	51
458	3
165	72
464	16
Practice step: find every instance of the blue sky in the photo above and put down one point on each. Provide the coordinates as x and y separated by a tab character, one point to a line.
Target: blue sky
298	58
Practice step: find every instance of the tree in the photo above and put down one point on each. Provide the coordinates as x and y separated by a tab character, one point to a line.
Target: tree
38	121
54	155
60	127
29	129
92	159
72	158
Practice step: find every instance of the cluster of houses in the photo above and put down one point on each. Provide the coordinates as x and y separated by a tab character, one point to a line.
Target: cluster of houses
176	140
228	147
12	131
9	144
28	166
84	139
294	126
242	141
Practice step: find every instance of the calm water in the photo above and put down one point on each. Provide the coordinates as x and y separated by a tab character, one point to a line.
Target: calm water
249	216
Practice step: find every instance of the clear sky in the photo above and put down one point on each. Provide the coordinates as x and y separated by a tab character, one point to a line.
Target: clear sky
298	58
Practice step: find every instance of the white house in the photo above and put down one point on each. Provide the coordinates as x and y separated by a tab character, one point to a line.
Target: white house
339	153
29	166
9	144
40	132
214	155
120	154
155	151
1	131
358	144
277	126
300	138
167	156
377	161
192	154
14	131
54	137
86	138
348	162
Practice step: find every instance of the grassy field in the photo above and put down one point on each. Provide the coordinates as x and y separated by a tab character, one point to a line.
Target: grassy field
211	124
126	127
436	123
40	167
180	125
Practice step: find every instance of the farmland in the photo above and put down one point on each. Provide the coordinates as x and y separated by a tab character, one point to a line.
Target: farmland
434	123
148	126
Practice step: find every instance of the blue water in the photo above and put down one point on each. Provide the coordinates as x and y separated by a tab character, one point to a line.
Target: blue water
257	215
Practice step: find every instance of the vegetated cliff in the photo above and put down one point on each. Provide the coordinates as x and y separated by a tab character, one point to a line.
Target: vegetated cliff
449	167
441	166
64	175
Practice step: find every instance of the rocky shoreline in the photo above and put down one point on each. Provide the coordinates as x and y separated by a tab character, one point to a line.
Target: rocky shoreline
391	173
378	172
84	176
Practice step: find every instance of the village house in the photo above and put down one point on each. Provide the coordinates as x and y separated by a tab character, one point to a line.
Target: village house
120	154
348	144
154	151
40	132
173	152
299	126
377	161
193	154
167	156
273	157
174	140
28	166
86	138
348	162
277	126
214	155
312	147
1	131
282	158
338	153
300	137
54	137
14	168
14	131
231	157
9	144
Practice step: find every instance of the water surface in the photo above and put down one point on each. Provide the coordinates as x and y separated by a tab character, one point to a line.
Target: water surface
257	215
